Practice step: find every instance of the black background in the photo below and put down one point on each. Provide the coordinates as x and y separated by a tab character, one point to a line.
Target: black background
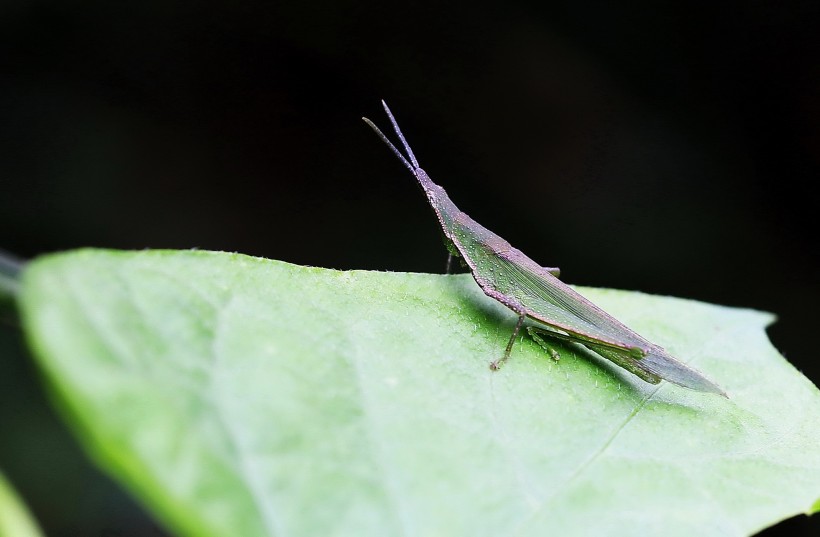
670	148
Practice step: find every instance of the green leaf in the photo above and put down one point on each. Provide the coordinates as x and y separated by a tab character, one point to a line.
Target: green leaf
15	520
243	396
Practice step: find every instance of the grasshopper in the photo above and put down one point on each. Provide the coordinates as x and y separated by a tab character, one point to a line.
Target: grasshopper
555	310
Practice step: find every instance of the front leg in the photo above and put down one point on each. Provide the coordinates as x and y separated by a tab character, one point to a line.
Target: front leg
496	365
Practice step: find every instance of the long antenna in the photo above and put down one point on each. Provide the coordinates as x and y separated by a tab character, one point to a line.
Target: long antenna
413	164
400	135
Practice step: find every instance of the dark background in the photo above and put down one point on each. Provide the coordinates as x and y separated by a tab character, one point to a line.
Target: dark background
671	148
